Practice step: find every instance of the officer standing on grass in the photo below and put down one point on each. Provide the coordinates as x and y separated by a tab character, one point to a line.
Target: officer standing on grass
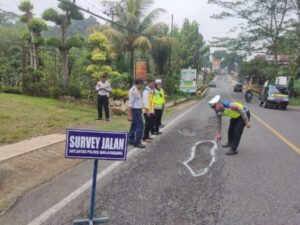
239	115
103	88
135	114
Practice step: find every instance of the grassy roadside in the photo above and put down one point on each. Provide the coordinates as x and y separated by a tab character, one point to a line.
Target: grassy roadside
295	102
23	117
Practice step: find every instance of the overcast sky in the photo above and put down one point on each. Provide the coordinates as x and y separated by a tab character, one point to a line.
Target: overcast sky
198	10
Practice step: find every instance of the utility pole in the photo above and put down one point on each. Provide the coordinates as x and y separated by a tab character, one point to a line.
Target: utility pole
170	53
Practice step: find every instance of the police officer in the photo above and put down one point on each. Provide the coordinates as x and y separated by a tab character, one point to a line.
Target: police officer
135	114
239	115
159	102
148	110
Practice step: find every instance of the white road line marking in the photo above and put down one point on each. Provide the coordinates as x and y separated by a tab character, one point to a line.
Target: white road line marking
193	155
60	205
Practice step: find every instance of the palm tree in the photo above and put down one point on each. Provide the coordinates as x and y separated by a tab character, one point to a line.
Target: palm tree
137	26
161	48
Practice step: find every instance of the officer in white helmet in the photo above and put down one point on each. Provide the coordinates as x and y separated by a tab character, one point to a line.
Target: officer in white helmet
239	115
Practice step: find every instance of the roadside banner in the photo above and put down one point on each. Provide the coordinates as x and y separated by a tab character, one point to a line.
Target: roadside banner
188	81
141	69
97	145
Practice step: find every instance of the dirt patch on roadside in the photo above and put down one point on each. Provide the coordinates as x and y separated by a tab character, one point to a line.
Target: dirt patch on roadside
19	175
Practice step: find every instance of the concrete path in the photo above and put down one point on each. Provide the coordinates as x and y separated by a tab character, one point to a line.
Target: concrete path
23	147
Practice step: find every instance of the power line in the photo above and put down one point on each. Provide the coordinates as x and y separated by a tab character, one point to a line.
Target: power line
105	19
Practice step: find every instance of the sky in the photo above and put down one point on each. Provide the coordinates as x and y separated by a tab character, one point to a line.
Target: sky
198	10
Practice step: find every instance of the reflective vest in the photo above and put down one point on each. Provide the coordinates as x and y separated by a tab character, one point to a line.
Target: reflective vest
159	99
150	100
231	113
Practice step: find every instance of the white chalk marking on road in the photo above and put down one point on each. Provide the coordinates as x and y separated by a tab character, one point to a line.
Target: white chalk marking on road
86	186
193	155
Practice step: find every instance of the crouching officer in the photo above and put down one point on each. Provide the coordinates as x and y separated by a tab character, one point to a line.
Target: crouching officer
239	115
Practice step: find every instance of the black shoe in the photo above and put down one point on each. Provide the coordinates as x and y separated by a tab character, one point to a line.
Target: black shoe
226	145
107	119
232	152
157	133
98	119
139	146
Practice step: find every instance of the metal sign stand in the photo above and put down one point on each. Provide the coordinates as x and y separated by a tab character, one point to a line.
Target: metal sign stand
92	220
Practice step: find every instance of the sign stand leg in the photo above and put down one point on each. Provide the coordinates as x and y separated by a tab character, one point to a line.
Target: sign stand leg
92	220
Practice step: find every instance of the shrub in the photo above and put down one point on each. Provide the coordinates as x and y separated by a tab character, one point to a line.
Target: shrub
171	84
57	91
33	84
121	82
119	94
12	90
73	91
38	89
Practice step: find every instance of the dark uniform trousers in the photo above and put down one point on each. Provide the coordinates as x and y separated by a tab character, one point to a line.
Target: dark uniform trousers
158	117
235	131
103	101
149	125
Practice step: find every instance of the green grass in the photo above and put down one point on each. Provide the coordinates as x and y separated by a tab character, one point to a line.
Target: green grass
175	97
295	101
22	117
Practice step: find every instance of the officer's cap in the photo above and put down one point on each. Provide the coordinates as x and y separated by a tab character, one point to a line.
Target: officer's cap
214	101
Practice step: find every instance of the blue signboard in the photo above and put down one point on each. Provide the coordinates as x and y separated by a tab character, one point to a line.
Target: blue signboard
87	144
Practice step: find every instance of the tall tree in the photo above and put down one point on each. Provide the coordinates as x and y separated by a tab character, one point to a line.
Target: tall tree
35	27
188	47
219	54
161	48
63	20
265	21
133	14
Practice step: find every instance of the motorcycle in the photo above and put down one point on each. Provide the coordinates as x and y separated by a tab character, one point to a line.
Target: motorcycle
248	96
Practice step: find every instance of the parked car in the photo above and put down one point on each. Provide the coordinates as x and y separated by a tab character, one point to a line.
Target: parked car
212	84
238	87
274	96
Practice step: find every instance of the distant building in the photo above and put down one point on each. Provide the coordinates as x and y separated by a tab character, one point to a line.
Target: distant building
216	64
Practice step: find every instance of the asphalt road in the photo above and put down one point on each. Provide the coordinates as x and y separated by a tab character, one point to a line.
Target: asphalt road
259	186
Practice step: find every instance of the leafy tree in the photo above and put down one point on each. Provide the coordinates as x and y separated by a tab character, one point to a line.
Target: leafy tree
258	68
83	27
101	54
64	44
33	36
7	18
265	21
161	47
132	15
10	65
232	61
219	54
188	47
